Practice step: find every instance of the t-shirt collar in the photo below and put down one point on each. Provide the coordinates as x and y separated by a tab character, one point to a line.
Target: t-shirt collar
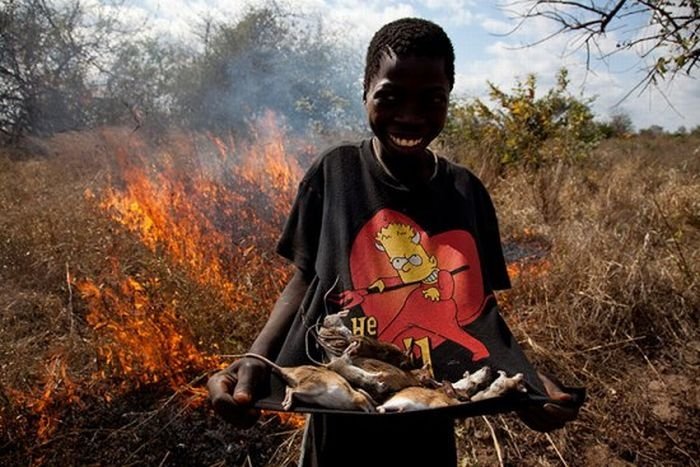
386	171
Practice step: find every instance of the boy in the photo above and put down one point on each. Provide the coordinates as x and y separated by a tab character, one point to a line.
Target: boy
409	243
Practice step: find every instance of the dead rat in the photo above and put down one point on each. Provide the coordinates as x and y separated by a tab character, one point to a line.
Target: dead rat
501	386
334	324
335	337
377	377
317	385
416	398
470	383
371	347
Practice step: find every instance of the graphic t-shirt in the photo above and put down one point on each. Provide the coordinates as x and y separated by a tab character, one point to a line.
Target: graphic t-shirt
415	266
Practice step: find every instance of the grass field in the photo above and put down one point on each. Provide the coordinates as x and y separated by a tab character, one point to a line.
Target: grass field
128	264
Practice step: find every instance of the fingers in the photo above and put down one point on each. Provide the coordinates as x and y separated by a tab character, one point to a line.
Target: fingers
552	415
231	403
549	417
243	392
554	388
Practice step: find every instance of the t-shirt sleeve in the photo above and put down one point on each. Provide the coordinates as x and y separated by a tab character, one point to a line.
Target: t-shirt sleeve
494	264
299	241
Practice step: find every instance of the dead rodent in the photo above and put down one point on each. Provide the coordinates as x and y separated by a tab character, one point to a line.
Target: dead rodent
335	337
416	398
501	386
375	376
318	386
470	383
371	347
334	324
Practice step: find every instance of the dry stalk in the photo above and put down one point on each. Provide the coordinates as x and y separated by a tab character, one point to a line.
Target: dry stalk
682	262
556	449
510	435
165	458
155	435
70	302
286	451
496	444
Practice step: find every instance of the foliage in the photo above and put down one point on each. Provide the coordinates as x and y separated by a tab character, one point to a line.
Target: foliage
653	130
47	52
664	33
71	65
619	125
523	130
140	83
268	61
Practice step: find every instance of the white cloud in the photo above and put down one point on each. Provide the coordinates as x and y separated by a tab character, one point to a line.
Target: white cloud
488	44
495	26
454	12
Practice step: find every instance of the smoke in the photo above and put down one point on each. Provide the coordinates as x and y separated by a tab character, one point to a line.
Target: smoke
268	63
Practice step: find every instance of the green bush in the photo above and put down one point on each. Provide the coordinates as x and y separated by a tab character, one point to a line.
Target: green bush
521	129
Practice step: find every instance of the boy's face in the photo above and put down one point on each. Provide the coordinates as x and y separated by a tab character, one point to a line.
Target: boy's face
407	102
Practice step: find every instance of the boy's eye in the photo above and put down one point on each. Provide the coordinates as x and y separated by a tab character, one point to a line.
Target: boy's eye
387	98
437	99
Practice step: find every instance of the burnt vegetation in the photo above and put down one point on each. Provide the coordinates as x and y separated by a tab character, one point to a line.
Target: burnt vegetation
138	229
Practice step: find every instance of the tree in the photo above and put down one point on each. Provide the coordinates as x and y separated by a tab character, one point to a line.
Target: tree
269	60
140	84
619	125
47	52
664	33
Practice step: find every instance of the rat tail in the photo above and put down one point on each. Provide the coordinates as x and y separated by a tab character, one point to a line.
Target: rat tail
275	367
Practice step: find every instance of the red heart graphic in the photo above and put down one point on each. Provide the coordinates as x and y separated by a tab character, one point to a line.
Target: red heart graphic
403	310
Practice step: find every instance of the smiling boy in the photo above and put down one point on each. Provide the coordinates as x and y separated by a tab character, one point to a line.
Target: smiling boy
351	194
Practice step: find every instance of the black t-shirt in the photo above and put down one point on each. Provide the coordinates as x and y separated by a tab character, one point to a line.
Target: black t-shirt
418	267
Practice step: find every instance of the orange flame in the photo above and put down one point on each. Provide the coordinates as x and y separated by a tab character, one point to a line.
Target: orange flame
214	209
49	403
144	342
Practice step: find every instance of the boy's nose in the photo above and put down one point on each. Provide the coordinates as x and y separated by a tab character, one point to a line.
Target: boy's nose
410	113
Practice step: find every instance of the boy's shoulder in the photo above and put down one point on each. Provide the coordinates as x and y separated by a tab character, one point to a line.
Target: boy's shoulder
342	149
336	155
461	174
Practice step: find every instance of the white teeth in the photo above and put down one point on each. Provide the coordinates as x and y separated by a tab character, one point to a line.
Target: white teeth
405	143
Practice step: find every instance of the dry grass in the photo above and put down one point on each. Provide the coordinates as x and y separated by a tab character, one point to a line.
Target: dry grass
616	310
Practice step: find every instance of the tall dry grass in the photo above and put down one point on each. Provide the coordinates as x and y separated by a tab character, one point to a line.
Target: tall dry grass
617	309
613	307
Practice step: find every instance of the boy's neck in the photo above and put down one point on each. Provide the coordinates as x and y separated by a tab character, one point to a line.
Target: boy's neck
407	170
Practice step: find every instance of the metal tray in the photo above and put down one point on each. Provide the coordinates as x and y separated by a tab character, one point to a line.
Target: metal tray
496	405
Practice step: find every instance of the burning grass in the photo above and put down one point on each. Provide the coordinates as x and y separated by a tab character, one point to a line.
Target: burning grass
127	266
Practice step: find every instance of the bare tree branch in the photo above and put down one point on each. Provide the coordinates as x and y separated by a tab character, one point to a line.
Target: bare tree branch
669	30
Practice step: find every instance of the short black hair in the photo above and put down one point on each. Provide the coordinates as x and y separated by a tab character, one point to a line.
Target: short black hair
408	37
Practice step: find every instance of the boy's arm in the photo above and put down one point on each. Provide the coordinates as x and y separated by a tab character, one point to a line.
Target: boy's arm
232	390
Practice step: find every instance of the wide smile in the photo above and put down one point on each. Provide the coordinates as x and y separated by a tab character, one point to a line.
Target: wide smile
405	142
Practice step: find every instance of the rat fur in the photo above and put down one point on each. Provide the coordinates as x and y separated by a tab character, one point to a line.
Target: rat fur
317	385
416	398
501	386
377	377
471	383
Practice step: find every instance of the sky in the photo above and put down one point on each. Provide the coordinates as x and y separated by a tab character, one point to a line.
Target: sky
488	48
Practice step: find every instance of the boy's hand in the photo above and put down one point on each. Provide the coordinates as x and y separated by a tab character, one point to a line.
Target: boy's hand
552	415
232	391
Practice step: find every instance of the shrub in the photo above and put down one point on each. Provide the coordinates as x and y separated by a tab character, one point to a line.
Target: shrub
522	130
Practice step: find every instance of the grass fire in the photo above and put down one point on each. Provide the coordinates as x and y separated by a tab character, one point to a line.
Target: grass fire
130	265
